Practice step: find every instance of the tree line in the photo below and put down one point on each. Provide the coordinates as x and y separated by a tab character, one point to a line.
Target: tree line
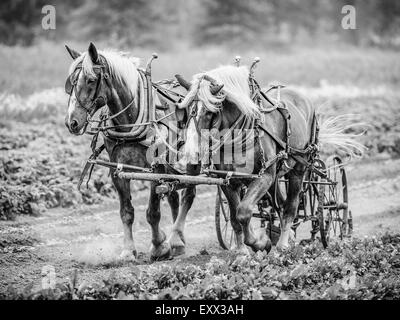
199	22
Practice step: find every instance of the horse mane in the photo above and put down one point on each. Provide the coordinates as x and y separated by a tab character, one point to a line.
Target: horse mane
122	66
236	89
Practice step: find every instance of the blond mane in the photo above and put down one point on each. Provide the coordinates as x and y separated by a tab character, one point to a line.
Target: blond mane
122	66
236	89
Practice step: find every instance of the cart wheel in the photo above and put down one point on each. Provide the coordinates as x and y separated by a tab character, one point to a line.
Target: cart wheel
225	233
324	220
335	220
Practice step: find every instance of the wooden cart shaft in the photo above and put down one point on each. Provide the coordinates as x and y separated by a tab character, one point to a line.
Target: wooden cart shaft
163	177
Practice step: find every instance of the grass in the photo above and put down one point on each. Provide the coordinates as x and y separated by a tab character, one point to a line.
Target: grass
44	66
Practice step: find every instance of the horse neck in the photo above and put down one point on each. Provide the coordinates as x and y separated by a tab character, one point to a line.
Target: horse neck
120	98
230	115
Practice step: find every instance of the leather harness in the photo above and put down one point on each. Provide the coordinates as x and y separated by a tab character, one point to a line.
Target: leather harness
99	101
298	154
256	94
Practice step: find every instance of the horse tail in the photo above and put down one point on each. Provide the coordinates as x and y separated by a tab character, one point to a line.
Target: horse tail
340	134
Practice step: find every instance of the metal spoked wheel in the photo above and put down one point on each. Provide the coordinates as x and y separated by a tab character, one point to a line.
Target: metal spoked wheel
311	201
334	217
225	233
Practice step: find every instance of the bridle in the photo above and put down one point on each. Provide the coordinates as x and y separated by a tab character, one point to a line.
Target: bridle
241	122
97	100
194	108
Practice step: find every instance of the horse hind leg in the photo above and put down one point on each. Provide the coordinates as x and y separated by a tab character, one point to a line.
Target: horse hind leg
127	214
177	238
255	192
290	206
160	248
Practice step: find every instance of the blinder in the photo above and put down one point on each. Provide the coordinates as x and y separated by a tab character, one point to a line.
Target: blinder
71	81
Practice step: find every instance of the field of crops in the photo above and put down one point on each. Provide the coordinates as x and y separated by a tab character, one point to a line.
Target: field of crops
40	164
366	268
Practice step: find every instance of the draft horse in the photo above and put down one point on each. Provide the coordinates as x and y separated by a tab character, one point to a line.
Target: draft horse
220	100
99	78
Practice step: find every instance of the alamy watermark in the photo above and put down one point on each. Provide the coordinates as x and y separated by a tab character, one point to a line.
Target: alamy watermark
210	146
49	18
349	18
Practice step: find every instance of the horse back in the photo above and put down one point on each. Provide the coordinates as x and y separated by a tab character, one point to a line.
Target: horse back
301	112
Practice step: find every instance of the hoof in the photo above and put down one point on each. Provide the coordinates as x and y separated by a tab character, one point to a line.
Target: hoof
268	247
128	255
160	252
177	244
263	242
284	239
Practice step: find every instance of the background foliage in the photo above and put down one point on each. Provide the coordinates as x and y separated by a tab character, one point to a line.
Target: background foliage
161	23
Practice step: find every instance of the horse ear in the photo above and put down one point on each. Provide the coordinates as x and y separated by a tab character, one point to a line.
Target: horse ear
186	84
216	88
93	53
74	54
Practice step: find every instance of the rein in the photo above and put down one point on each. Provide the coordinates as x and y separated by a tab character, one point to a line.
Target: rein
111	117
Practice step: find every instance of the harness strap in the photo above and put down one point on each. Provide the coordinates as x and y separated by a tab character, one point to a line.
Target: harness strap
278	140
166	93
290	150
108	118
89	166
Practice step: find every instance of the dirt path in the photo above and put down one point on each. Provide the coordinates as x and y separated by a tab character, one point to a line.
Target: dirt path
89	238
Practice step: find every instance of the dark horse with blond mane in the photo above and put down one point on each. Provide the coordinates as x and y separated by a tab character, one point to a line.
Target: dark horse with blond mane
99	78
221	99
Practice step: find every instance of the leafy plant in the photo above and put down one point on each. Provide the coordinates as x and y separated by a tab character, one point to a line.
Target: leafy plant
367	268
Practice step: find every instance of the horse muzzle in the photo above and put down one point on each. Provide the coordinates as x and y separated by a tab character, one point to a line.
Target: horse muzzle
74	127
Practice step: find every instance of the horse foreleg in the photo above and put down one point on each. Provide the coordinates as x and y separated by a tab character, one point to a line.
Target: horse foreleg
127	216
255	192
173	201
160	248
290	206
233	198
177	238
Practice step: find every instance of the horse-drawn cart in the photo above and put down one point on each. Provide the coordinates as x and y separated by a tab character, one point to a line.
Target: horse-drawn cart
323	201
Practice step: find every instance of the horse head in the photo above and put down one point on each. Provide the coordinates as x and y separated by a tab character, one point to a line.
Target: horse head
88	88
218	100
